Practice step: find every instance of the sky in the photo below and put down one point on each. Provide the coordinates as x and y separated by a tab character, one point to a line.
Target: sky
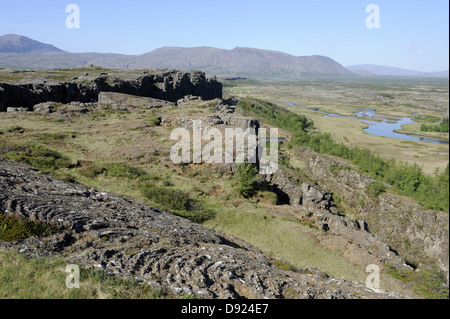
412	34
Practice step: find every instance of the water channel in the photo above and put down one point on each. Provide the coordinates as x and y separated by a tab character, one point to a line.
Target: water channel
378	125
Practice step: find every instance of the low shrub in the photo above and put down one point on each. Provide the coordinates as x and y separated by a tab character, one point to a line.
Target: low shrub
116	170
376	189
35	155
177	202
13	228
442	127
52	137
245	179
120	170
155	120
91	171
430	284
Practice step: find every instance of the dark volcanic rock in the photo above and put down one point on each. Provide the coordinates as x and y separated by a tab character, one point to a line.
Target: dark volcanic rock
131	240
168	85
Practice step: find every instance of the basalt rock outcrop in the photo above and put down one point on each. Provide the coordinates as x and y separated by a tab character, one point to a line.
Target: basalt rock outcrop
314	206
122	101
297	193
128	239
419	235
168	85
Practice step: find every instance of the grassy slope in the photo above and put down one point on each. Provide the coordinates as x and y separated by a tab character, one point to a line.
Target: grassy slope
103	137
45	278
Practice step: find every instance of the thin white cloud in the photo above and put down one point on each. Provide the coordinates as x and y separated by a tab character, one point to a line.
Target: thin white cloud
417	53
407	46
410	48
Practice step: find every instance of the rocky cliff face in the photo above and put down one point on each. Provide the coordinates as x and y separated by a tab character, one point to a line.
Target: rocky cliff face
168	85
420	236
127	239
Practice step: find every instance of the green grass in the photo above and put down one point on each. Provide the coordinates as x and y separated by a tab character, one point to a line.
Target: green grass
427	119
283	238
429	284
115	170
203	196
34	154
120	170
45	278
155	120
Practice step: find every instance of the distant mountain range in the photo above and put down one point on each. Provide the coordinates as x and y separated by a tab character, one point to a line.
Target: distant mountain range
371	69
19	52
12	43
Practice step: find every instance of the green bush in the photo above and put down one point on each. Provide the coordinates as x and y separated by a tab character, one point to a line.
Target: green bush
167	198
13	228
155	120
270	196
377	188
442	127
52	137
430	284
275	115
120	170
91	171
35	155
117	170
245	179
177	202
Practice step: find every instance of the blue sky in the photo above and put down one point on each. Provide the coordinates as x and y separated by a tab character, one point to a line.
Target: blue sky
413	34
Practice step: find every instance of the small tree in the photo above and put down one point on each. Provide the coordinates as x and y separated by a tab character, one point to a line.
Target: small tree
246	177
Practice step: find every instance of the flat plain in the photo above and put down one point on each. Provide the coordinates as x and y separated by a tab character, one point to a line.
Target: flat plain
391	98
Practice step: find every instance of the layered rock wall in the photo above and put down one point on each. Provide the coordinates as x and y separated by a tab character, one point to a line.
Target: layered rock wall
419	235
168	85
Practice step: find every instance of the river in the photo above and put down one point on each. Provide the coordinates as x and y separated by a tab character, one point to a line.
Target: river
378	125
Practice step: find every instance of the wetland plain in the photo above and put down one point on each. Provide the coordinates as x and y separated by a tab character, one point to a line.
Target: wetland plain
379	114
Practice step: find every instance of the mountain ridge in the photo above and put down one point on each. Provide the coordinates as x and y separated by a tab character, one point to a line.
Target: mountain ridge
240	61
13	43
20	52
377	70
